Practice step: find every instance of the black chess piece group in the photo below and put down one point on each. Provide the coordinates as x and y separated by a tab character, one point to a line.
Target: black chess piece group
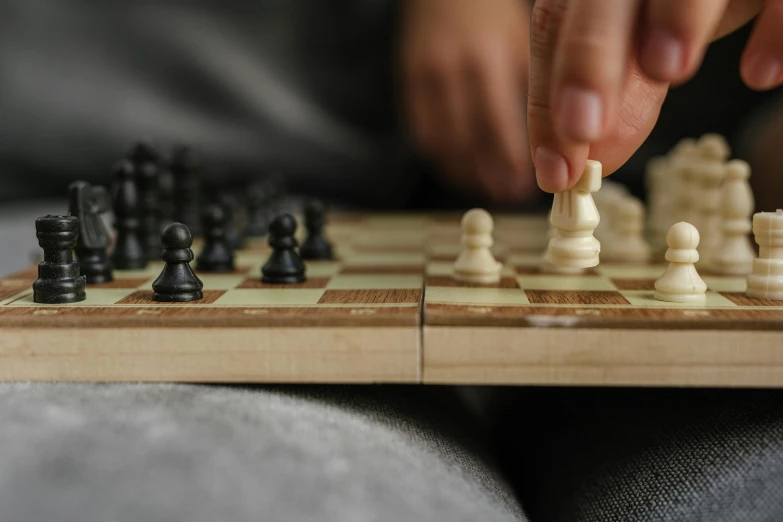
148	192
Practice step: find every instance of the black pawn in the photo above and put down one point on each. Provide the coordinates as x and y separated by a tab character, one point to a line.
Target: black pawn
128	251
58	280
235	237
89	203
258	207
146	162
177	283
284	265
316	246
217	255
186	172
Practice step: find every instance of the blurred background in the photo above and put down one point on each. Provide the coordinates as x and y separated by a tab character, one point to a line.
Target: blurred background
308	90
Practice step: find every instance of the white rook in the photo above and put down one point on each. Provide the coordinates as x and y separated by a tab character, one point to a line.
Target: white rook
766	279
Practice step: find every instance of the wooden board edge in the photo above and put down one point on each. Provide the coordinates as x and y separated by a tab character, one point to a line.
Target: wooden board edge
602	357
250	355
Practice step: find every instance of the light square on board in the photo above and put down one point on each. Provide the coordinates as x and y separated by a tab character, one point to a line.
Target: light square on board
647	299
220	281
123	282
445	268
144	297
271	297
95	297
321	268
631	271
726	284
375	281
450	281
311	282
387	258
382	269
152	270
475	295
565	282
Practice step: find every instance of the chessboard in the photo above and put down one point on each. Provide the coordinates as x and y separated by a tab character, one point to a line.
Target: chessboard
387	309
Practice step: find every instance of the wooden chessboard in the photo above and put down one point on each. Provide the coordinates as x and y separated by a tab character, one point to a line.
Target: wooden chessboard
388	310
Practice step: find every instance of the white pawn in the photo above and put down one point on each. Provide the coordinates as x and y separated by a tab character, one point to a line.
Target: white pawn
681	283
476	264
736	253
766	280
575	217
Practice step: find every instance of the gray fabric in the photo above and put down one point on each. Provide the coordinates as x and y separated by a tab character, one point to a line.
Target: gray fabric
615	455
82	453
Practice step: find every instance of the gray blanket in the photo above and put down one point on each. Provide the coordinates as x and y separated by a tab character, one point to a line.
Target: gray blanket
82	453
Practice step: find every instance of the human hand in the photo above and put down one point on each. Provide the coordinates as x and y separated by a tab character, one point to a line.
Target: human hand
600	70
464	68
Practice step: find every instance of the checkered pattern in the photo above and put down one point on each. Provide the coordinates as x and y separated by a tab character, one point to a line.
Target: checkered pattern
401	261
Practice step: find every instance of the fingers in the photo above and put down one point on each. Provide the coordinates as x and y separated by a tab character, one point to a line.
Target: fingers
558	161
675	36
590	65
501	141
762	62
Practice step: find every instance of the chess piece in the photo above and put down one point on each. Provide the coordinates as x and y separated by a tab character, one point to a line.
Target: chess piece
146	161
258	202
88	203
575	217
711	176
284	265
128	253
217	255
736	253
681	283
766	279
177	283
475	263
316	246
59	281
235	236
627	243
186	171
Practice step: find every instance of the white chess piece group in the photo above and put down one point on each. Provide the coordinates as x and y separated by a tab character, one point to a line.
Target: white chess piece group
724	211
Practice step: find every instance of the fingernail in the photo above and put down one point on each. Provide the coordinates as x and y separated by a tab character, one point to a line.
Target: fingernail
762	71
551	170
580	114
662	55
